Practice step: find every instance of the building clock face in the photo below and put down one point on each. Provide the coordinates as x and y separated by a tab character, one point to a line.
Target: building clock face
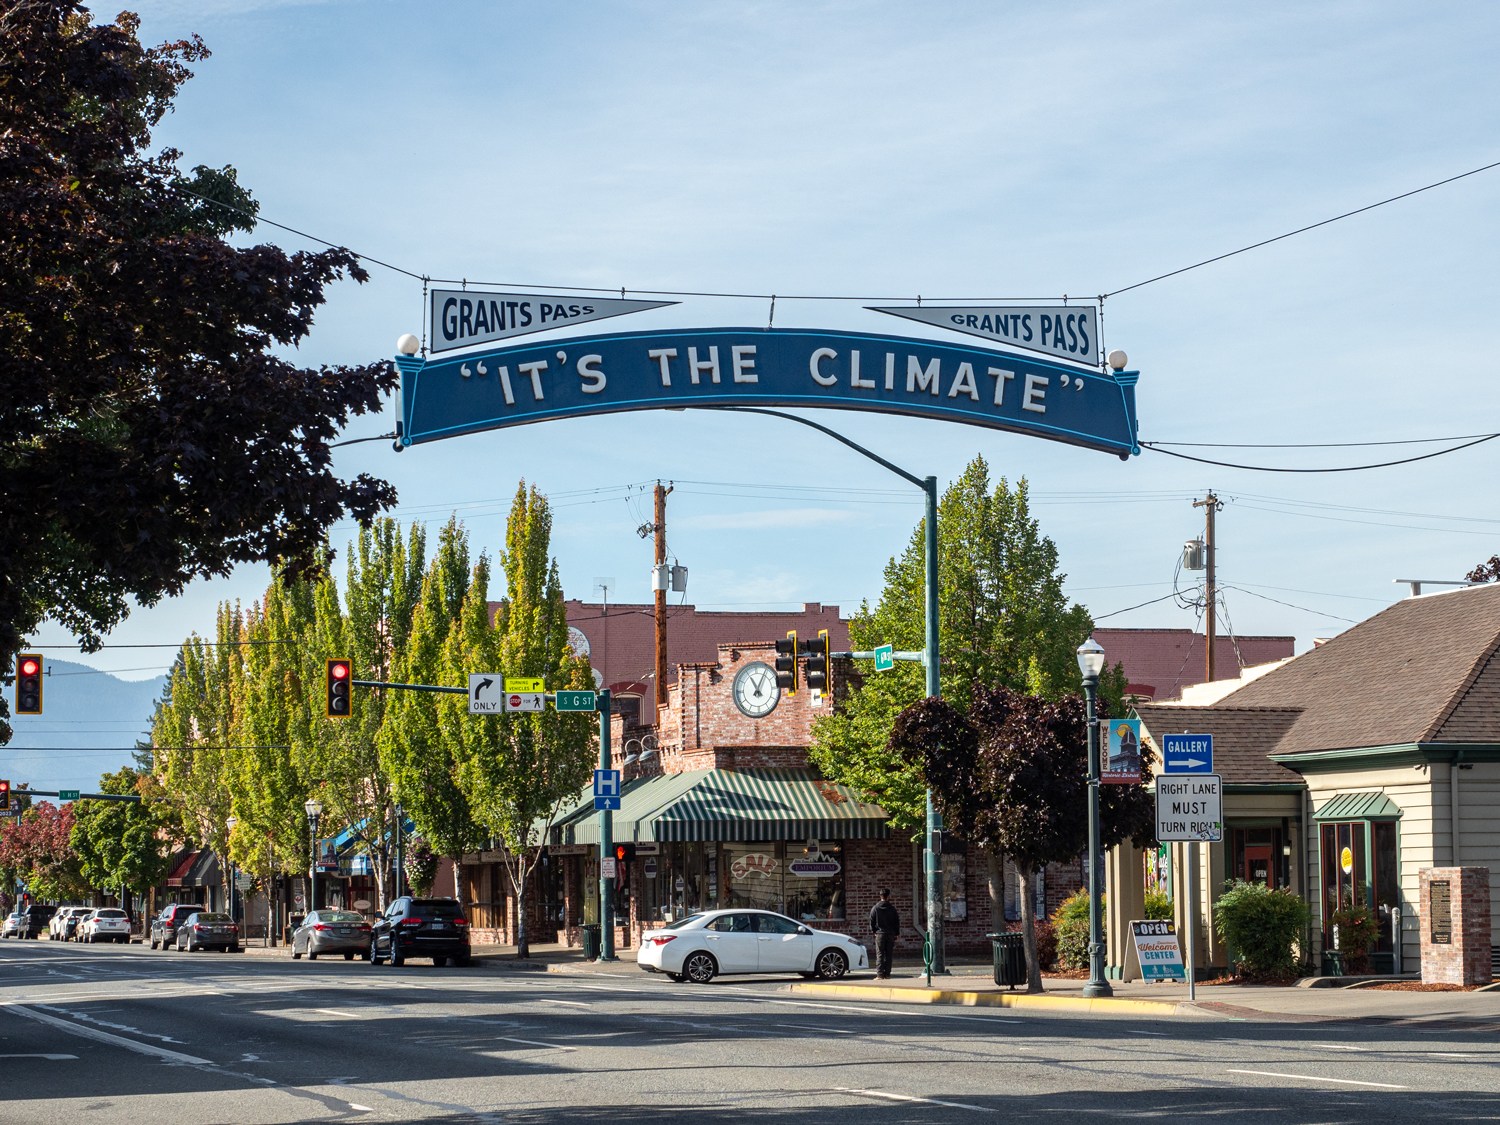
755	690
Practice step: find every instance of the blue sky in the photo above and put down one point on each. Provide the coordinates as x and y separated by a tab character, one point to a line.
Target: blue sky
885	150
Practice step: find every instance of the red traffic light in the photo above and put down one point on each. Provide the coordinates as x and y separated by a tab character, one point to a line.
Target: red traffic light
336	688
28	684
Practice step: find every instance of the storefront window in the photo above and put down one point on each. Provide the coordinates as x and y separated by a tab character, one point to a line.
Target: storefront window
801	881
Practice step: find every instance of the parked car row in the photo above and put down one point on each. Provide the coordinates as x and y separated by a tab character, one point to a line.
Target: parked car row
27	922
85	923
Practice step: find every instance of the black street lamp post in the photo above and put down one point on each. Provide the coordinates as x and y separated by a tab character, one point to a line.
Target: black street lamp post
1091	664
314	810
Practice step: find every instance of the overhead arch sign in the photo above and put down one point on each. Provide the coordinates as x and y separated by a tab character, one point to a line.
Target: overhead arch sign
778	367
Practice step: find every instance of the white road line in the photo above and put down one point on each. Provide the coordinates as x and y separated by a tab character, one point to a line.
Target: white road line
1315	1078
826	1006
910	1098
1161	1033
360	1108
1332	1047
535	1043
106	1037
336	1012
53	1058
567	1003
820	1030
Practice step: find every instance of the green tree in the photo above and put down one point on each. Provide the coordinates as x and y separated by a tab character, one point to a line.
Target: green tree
1010	775
150	431
122	844
517	769
414	752
1003	621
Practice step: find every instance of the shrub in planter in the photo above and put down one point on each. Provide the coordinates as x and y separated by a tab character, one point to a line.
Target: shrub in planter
1358	933
1263	928
1158	906
1070	924
1046	943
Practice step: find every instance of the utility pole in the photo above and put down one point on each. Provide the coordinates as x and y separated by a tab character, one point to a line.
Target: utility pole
659	584
1210	504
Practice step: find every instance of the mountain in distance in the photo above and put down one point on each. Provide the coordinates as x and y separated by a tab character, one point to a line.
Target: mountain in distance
89	726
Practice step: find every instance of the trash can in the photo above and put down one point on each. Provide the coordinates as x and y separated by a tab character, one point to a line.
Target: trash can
1010	958
590	941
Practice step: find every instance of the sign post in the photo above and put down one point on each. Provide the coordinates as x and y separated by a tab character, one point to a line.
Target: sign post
1189	808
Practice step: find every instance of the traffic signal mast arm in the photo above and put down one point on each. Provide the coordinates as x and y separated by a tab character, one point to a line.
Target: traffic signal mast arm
915	657
411	687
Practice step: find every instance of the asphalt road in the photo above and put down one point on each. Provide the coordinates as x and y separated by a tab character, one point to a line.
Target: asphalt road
124	1034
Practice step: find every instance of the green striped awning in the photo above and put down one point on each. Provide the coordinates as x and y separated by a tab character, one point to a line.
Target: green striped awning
1357	806
768	804
764	804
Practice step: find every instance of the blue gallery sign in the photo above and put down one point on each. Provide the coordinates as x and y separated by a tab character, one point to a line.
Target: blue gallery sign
1187	753
786	367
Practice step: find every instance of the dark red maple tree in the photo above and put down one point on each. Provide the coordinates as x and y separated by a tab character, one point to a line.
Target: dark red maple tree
149	432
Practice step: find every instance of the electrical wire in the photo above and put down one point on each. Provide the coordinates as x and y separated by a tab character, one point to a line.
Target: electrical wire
1302	230
1335	469
1289	605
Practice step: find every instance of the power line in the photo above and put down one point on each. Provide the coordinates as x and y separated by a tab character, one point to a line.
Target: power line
1302	230
1336	469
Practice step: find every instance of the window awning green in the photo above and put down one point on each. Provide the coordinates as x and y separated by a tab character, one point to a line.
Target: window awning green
1358	806
725	805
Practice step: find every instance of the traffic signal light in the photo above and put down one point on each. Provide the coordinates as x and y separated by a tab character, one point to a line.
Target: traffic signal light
786	663
4	796
815	673
28	684
624	853
340	676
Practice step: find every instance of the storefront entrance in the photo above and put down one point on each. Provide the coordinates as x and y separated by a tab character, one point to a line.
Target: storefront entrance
1357	859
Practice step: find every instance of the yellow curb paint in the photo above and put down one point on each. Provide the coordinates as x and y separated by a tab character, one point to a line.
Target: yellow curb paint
1112	1005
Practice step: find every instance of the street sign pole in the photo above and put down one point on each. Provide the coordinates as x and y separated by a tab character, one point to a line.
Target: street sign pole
1191	918
606	844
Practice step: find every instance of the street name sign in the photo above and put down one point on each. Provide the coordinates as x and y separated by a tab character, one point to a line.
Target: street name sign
525	683
1187	753
576	701
523	701
486	696
606	789
1189	807
885	658
67	794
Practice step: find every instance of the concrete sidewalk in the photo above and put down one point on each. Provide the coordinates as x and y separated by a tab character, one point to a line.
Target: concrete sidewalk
970	983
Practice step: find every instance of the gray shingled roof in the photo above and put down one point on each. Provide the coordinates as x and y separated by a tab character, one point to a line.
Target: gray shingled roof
1423	670
1243	737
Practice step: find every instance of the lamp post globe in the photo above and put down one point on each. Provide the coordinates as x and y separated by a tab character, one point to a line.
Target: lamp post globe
1090	665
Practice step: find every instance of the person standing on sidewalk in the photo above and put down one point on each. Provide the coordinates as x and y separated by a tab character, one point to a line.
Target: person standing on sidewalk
885	924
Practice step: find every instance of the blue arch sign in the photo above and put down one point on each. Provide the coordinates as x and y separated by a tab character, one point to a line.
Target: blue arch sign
786	367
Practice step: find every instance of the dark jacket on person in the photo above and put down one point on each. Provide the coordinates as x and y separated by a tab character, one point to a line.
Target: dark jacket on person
885	919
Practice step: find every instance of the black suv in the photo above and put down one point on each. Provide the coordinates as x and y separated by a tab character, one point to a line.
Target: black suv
421	927
165	925
38	914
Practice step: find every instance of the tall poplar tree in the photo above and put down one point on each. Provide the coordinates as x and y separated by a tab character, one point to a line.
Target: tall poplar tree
420	760
517	768
1003	622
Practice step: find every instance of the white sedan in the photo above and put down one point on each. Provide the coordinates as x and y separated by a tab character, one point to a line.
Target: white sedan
701	946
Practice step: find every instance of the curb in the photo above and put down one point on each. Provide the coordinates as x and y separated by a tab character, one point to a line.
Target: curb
1103	1006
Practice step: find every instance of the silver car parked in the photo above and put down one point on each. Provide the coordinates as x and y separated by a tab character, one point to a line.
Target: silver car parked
331	931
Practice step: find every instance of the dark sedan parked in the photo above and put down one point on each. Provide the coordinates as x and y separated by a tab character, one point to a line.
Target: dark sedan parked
207	930
165	925
421	927
331	931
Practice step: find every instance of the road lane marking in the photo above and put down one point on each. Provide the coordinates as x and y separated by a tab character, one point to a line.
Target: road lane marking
106	1037
1130	1032
1315	1078
535	1043
828	1006
1332	1047
52	1058
819	1030
336	1012
916	1100
567	1003
360	1108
